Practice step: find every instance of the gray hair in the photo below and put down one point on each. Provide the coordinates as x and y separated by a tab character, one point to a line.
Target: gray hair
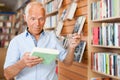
29	5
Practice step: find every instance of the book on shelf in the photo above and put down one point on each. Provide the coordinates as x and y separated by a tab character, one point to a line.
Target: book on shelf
107	34
71	11
60	3
48	55
77	29
1	24
79	24
59	28
79	50
106	62
62	17
95	35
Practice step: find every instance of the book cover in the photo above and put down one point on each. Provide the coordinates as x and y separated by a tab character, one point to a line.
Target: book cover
95	35
48	55
79	24
60	3
79	50
71	11
59	28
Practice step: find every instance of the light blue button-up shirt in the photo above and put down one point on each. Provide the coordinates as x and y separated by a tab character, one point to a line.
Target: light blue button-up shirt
25	42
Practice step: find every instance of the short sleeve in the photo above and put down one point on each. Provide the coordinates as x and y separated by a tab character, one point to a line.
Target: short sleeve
12	55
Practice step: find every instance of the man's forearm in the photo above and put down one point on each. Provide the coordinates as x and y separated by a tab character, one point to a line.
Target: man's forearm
70	56
11	71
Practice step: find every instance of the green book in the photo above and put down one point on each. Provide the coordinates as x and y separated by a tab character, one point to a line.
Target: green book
48	55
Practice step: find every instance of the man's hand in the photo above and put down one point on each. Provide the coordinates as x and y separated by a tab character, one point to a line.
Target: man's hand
30	61
74	40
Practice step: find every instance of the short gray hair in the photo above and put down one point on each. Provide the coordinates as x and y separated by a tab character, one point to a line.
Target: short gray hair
29	5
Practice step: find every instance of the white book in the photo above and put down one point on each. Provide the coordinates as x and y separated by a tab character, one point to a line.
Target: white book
79	24
48	55
60	3
1	24
9	24
116	35
118	65
59	28
71	11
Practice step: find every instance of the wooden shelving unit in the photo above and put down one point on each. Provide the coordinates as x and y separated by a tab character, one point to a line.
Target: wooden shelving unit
6	27
51	14
99	48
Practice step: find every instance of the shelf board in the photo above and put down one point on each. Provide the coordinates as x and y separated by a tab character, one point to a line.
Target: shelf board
115	47
52	13
116	77
113	19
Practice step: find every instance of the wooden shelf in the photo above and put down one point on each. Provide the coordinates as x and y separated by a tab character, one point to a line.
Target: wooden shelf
114	47
52	13
113	19
116	77
100	48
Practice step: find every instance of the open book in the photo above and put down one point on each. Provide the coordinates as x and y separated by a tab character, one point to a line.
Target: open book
48	55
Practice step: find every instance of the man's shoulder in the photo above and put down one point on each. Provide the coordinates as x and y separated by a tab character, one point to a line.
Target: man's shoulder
50	33
18	36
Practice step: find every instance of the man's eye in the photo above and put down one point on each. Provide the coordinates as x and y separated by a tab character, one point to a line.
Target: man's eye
32	18
41	19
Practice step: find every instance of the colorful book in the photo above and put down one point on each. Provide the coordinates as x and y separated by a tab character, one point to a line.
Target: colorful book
48	55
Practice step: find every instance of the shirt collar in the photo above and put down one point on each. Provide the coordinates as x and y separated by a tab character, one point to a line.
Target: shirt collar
27	33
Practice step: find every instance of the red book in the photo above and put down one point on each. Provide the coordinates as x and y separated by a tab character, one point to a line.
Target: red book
95	35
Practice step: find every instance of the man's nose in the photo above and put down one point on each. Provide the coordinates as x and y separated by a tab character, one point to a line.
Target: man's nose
37	22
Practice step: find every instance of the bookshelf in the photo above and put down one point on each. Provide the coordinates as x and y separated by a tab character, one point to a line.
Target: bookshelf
6	26
51	7
105	23
20	24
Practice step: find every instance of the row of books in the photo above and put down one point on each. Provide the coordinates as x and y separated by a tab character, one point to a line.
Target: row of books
4	37
106	62
58	2
5	24
69	12
51	6
51	21
107	34
79	24
66	14
105	9
4	43
5	30
6	17
79	50
77	27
